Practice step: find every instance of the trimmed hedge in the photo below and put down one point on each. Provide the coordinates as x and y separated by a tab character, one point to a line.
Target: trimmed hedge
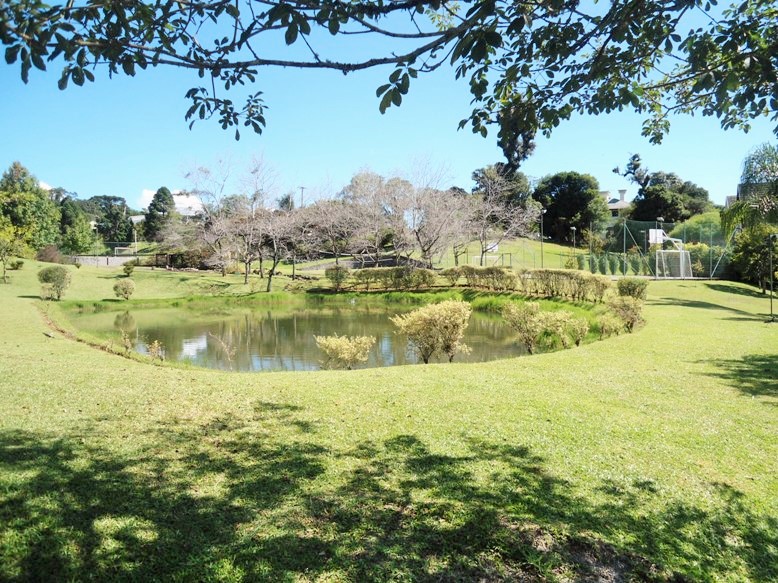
394	278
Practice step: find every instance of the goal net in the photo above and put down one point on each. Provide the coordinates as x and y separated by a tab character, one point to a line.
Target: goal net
673	264
489	260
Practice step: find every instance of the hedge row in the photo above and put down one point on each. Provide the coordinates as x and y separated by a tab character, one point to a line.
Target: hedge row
547	283
393	278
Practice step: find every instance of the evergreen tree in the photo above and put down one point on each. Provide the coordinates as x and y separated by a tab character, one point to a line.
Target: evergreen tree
160	210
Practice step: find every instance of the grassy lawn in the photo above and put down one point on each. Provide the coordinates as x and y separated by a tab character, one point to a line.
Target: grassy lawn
645	456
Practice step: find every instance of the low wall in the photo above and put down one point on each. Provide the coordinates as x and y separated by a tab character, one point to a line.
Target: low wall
102	260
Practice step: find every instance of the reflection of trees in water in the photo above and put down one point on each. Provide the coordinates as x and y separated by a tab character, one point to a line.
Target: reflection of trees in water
125	321
284	340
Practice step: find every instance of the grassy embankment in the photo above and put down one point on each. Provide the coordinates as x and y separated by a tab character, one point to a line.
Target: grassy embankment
651	455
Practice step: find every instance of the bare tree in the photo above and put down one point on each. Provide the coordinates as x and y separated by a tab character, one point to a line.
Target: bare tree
246	223
371	228
436	220
331	226
279	229
493	221
396	198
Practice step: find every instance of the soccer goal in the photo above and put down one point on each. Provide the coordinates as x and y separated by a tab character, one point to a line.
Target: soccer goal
500	259
675	263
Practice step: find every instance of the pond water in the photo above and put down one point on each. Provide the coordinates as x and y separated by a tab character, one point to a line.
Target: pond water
281	337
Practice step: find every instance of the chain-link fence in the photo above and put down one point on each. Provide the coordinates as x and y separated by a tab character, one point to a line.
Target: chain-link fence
656	248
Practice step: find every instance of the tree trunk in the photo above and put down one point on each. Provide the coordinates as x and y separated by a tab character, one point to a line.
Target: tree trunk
271	272
246	271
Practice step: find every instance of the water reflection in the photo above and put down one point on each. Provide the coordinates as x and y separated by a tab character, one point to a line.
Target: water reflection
282	338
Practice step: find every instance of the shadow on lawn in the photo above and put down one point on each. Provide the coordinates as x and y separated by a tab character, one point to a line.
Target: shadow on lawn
754	374
730	288
677	302
255	498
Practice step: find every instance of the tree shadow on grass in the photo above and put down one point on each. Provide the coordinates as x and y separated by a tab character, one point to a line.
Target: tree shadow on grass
731	288
256	498
741	314
754	374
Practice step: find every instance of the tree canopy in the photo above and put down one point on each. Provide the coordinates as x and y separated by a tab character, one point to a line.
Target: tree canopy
529	65
663	194
28	208
570	200
161	208
757	202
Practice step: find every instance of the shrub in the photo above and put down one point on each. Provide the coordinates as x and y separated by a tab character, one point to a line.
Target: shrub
49	254
581	261
364	277
558	323
337	275
493	277
532	324
400	277
452	275
623	266
128	268
632	287
422	278
344	351
470	274
436	328
602	264
613	263
599	287
55	280
610	325
628	310
592	263
16	265
523	318
156	350
579	328
124	288
635	262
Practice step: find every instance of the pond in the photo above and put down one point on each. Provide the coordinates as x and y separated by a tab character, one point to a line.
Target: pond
281	337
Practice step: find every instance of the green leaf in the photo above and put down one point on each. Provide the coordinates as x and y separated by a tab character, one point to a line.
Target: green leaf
478	53
291	33
78	76
233	11
404	85
129	67
385	102
382	89
333	25
38	62
63	81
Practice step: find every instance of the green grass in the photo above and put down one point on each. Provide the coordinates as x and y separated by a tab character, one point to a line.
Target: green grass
651	456
524	253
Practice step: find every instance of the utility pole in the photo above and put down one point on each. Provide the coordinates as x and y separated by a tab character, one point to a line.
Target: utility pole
302	196
770	244
542	212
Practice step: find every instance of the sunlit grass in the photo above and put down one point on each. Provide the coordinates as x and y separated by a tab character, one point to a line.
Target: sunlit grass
651	456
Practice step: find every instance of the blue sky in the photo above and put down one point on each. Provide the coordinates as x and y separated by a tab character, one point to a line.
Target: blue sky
124	136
